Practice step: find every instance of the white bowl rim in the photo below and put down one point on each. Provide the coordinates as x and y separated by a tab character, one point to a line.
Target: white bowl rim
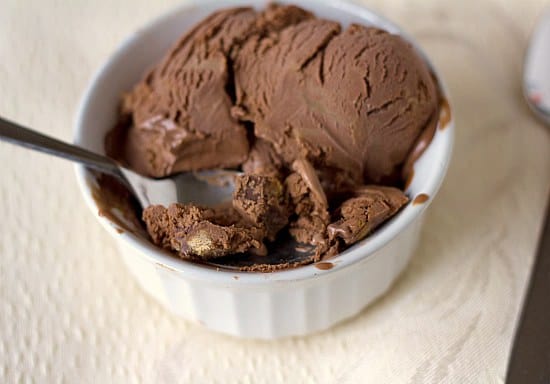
233	278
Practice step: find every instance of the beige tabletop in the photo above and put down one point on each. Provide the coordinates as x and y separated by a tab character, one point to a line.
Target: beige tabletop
71	313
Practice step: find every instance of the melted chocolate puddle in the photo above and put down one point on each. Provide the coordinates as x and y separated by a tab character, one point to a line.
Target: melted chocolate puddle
443	118
444	114
420	199
409	180
324	265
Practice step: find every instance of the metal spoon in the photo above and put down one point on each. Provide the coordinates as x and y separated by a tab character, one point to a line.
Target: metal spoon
530	357
183	187
196	187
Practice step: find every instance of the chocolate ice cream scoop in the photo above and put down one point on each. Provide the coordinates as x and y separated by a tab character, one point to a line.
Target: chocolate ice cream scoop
311	114
355	101
178	118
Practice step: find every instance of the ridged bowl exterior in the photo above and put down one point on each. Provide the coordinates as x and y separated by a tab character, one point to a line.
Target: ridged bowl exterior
269	311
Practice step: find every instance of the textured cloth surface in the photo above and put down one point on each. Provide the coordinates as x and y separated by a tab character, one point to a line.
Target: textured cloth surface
70	311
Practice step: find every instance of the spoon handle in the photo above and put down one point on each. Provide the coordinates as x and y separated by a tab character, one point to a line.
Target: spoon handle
25	137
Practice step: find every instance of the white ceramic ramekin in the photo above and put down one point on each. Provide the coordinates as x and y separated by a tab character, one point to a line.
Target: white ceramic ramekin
255	305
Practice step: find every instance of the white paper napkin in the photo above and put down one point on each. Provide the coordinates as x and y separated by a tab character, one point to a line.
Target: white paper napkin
70	312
